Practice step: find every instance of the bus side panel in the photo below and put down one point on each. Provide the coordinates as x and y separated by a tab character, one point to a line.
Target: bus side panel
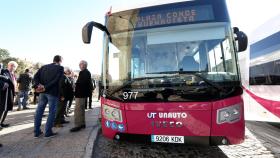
235	131
258	108
276	106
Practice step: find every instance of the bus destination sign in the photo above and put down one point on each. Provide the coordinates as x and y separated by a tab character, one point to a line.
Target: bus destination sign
173	16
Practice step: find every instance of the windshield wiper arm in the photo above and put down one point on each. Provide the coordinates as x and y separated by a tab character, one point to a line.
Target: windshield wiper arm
133	80
195	73
165	72
111	96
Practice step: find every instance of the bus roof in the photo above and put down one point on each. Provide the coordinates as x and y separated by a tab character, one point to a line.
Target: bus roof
268	28
142	5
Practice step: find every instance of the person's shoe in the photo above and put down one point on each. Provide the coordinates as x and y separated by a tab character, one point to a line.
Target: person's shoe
83	126
75	129
5	125
58	125
64	122
18	109
50	135
25	108
90	107
38	134
1	145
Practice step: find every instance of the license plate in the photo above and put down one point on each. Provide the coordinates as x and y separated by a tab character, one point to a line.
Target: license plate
167	139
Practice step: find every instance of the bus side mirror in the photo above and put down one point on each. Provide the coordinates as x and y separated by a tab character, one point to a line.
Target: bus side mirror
87	31
241	39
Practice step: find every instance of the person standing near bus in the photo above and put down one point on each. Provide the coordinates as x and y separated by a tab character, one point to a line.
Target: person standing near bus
7	99
24	82
47	84
65	94
83	87
3	85
69	103
89	99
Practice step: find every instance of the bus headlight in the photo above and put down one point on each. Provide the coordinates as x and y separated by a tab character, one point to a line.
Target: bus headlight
112	114
229	114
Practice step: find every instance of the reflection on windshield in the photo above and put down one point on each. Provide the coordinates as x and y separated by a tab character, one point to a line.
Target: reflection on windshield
143	59
176	87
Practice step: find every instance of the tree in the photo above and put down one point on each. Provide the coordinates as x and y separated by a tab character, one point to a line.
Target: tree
4	54
5	58
36	67
22	64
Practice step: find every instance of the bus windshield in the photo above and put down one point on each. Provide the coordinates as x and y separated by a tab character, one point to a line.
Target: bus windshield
184	62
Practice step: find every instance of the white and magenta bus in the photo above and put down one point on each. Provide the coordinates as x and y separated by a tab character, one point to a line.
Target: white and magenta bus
170	74
260	69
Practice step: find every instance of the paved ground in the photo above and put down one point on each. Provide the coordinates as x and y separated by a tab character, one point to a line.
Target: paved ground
18	139
252	147
267	133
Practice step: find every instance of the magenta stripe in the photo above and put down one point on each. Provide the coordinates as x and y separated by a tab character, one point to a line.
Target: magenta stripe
270	105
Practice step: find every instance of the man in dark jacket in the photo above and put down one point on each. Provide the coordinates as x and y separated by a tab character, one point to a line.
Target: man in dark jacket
69	103
3	85
66	93
89	99
46	82
7	95
24	82
83	88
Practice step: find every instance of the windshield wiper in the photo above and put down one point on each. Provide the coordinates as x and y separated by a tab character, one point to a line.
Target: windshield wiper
134	80
111	96
195	73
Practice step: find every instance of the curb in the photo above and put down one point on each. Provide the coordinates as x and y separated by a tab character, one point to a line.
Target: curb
91	141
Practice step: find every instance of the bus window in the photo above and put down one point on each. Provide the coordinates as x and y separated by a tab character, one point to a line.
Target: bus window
258	75
161	58
275	77
215	56
228	57
114	60
189	63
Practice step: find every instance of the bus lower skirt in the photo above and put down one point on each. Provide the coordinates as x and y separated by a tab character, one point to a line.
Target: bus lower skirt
189	140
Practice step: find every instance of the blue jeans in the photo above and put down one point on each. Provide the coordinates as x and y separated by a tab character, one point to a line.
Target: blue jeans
23	98
45	99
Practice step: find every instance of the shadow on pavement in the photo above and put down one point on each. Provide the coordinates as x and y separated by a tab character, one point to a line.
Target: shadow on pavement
19	141
268	133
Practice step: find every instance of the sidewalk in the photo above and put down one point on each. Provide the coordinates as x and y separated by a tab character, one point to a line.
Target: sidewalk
18	140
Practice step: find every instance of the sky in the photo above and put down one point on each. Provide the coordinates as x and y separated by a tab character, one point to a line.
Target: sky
36	30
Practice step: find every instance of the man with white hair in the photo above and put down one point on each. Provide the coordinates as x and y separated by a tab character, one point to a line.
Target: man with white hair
83	88
8	92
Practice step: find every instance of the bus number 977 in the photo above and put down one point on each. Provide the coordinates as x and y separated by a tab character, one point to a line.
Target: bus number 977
129	95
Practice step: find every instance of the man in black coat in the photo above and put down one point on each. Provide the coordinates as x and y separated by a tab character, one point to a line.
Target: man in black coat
83	88
7	95
3	86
